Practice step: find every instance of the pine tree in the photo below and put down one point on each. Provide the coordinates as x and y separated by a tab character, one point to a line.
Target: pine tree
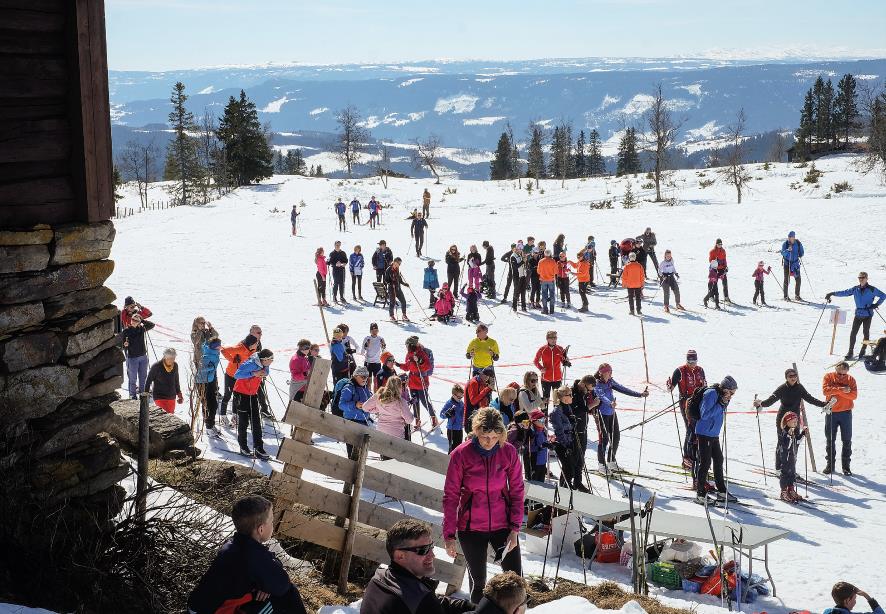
845	109
295	162
628	160
535	166
500	167
806	129
249	154
556	162
877	135
279	164
182	149
581	163
515	155
595	164
823	97
629	201
312	172
319	171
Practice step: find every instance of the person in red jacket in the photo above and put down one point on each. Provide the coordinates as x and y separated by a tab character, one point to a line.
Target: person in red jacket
719	254
418	363
548	360
483	500
477	396
130	308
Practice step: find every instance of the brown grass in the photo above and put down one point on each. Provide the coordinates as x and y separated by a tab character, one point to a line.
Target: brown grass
608	595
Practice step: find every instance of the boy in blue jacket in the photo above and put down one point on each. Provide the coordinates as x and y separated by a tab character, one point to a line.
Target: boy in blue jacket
845	596
207	381
707	431
431	282
245	576
454	411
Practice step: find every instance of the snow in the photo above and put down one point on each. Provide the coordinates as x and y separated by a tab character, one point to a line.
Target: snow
255	272
10	608
483	121
275	105
318	111
694	89
867	77
209	89
409	82
608	101
460	103
638	105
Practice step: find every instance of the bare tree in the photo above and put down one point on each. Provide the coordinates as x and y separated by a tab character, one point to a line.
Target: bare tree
778	149
660	139
427	154
138	161
352	136
733	171
383	165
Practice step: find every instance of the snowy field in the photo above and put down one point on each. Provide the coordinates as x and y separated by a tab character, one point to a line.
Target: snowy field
234	262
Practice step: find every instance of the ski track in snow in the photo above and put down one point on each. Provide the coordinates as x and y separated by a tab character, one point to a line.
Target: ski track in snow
235	262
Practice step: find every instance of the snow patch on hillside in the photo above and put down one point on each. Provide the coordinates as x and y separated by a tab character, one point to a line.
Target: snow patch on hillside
867	77
638	105
318	111
409	82
694	89
485	80
708	131
461	103
275	105
812	72
207	90
608	101
483	121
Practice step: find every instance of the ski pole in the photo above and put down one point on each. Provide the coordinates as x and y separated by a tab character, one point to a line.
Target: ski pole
679	436
642	430
569	509
489	309
417	302
805	467
760	436
153	351
809	281
823	307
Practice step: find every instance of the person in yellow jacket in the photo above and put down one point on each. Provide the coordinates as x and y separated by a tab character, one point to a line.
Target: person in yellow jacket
482	350
841	390
632	278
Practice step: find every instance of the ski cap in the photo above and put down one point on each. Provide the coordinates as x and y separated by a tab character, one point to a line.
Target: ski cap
792	234
488	372
537	414
613	242
729	383
265	354
719	241
788	417
691	355
128	301
361	372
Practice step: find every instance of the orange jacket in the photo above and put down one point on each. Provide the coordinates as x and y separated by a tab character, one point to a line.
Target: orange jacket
832	386
718	254
582	269
547	269
235	354
633	275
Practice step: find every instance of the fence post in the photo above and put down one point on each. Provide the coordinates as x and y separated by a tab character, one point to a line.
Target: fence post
348	547
141	485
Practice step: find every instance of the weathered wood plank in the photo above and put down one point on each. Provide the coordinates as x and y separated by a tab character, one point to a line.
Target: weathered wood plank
44	6
32	108
327	424
368	543
17	171
22	87
26	20
36	191
34	67
26	216
316	459
29	43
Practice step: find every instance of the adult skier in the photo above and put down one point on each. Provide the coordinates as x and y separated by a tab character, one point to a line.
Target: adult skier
489	261
865	296
293	218
453	266
614	251
340	209
482	350
373	212
712	410
355	211
419	364
549	359
668	276
417	231
338	260
718	254
426	203
381	259
791	253
632	278
840	388
610	434
517	272
649	243
394	281
506	258
687	378
547	273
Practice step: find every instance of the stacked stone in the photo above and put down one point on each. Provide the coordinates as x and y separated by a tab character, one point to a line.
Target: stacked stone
60	365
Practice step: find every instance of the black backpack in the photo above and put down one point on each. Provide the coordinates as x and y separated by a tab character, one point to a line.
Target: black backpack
693	405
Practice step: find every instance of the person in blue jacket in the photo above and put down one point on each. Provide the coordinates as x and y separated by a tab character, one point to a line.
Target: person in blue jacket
707	431
341	359
845	596
454	412
340	209
207	380
609	433
373	212
355	266
791	253
351	399
431	281
355	211
865	296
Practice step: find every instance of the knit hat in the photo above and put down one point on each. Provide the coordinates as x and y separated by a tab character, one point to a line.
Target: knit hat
128	301
361	372
386	357
632	256
719	241
613	242
488	371
787	417
249	340
729	383
537	414
792	234
214	343
691	355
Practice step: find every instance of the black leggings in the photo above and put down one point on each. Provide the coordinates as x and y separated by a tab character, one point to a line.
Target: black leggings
759	292
547	387
342	225
713	293
635	300
474	545
356	282
534	289
338	284
208	395
321	286
455	437
787	279
519	293
563	286
865	325
608	436
229	390
708	452
246	406
452	278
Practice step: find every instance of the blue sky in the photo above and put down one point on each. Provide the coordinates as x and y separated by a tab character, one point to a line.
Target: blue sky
167	34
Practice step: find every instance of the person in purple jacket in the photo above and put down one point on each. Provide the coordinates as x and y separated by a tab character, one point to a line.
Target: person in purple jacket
483	499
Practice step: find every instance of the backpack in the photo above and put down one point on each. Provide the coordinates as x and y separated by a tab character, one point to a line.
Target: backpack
693	405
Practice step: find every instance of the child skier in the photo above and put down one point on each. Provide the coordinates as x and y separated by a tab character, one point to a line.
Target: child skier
431	282
758	274
454	412
442	308
713	289
538	446
788	441
472	300
373	346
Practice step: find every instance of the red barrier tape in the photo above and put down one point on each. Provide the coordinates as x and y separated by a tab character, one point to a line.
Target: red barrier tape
529	364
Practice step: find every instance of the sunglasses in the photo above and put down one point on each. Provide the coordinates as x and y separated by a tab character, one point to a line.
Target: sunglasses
495	429
419	550
862	277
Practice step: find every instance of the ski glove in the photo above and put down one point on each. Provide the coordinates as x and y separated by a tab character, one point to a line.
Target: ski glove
828	296
566	362
495	357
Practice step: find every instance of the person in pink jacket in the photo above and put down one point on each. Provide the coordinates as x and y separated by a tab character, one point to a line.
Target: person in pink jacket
483	499
299	368
322	270
394	412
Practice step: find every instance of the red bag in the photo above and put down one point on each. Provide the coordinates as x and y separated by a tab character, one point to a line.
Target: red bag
712	585
608	549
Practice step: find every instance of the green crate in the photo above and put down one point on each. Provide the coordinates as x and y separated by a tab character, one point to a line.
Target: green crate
664	574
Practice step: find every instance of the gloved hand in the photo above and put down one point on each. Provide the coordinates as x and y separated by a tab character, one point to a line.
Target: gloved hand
828	296
495	357
571	419
567	362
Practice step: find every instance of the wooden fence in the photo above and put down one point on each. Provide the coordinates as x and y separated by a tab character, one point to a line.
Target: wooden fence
360	526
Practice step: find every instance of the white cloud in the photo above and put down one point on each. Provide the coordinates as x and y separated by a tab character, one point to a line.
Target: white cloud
318	111
462	103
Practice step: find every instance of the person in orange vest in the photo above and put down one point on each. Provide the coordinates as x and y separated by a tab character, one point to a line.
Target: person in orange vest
583	275
719	254
547	273
632	278
841	390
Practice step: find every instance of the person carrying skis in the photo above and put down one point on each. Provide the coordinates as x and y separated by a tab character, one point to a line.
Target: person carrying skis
473	261
790	395
293	217
489	261
713	290
482	350
417	231
163	383
355	266
453	266
547	273
649	243
865	296
372	347
789	437
633	278
340	209
791	254
687	379
549	359
373	211
758	276
418	364
840	388
583	274
394	281
431	282
355	211
249	377
426	203
478	394
382	259
517	272
454	412
613	263
565	442
844	595
668	276
712	413
610	433
338	260
719	255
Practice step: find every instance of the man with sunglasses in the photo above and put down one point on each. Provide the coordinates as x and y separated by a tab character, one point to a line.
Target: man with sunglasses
405	585
865	296
707	430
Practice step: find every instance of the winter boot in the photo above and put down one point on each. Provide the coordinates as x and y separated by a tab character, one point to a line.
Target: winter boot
245	451
614	467
786	495
602	468
847	470
261	455
795	495
726	496
681	307
434	422
829	469
667	309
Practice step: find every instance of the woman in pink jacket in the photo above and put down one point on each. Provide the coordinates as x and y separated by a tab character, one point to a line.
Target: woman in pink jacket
299	369
322	269
483	499
394	412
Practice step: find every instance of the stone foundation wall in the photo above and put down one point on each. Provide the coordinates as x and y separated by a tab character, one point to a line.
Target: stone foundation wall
59	362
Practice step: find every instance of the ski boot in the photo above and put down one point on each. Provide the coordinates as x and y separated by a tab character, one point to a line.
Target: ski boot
614	467
681	307
795	496
245	451
667	309
723	497
786	496
434	422
847	470
829	469
262	455
602	468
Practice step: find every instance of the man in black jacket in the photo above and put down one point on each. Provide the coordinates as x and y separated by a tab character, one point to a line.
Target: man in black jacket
135	346
382	259
417	232
504	594
506	258
394	281
489	261
338	260
405	586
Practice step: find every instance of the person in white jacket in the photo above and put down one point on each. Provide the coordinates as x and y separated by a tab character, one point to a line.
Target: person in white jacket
371	348
667	276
